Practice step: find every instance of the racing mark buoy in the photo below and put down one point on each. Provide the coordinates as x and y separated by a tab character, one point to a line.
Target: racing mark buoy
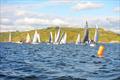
101	51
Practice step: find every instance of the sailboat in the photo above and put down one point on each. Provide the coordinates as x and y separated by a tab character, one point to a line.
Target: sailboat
63	38
93	43
28	40
57	37
78	39
36	38
51	38
96	35
9	40
86	34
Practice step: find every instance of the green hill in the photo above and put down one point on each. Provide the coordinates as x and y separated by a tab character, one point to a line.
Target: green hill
104	36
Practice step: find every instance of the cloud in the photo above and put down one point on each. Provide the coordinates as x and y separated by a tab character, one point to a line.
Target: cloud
6	21
32	21
22	17
58	22
6	28
117	9
63	1
87	5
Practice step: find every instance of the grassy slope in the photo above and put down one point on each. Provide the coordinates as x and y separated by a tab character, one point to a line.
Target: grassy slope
104	36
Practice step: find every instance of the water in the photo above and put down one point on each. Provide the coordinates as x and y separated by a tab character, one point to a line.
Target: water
58	62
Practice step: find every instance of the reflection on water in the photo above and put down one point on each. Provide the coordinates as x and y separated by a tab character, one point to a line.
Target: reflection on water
58	62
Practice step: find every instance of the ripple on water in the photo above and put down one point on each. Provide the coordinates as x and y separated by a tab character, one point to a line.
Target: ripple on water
58	62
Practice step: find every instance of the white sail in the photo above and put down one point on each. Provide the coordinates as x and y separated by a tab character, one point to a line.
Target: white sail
51	38
64	38
96	34
78	39
9	37
28	38
57	36
36	38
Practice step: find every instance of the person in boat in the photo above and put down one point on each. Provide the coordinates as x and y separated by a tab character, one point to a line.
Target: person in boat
92	41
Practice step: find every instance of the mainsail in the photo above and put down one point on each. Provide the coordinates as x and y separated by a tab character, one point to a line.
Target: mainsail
63	38
28	38
86	34
36	38
96	34
9	37
51	38
57	36
78	39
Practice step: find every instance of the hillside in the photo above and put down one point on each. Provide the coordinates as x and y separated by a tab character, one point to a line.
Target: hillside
104	36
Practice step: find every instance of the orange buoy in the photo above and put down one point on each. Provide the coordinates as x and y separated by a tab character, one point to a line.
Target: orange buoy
100	51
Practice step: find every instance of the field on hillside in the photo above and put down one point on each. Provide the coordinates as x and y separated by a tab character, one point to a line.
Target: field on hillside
104	36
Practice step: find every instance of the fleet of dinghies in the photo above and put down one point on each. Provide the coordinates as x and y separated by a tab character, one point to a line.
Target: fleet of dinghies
61	38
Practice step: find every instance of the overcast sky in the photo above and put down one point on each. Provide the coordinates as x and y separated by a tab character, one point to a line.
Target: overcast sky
33	14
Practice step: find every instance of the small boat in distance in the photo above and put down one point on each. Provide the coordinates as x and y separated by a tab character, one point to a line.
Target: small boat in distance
36	38
9	39
78	41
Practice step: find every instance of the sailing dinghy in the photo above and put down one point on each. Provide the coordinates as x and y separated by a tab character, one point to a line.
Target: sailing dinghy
51	38
78	39
9	39
57	37
36	38
96	36
86	34
63	39
28	39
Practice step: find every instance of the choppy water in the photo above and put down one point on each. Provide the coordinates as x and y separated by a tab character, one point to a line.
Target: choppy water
58	62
